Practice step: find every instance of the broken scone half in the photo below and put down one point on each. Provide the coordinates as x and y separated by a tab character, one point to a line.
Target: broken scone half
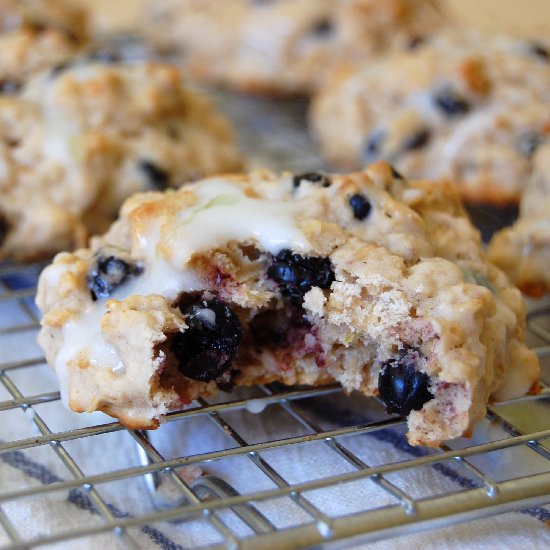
363	279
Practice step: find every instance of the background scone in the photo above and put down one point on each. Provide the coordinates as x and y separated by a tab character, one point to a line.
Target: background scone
523	250
78	141
310	278
36	35
285	46
462	105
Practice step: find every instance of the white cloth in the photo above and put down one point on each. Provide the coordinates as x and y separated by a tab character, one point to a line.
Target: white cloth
67	510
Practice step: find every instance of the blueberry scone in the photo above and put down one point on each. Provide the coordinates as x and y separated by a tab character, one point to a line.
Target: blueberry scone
523	250
76	142
285	46
462	105
362	279
36	35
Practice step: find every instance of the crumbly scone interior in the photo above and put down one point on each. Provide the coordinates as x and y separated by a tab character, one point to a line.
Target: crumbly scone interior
391	286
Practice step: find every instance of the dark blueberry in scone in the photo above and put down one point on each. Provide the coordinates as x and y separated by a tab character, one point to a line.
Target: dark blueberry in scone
314	177
107	272
396	175
277	328
4	227
9	86
451	103
540	51
210	342
322	28
58	69
372	146
104	56
528	142
360	205
402	387
415	42
296	275
269	329
157	177
417	140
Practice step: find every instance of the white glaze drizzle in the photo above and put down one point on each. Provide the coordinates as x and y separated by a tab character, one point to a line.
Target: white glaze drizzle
223	213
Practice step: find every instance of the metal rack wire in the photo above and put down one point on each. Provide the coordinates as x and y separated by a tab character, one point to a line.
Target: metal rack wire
244	519
137	489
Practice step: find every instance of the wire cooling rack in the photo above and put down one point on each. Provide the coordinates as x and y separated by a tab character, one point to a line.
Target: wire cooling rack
265	467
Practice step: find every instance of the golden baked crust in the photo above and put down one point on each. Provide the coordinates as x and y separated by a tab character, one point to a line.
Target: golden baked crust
462	105
523	250
77	143
397	278
286	46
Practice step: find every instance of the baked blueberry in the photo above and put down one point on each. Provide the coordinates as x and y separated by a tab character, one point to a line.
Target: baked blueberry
58	69
322	28
418	140
9	86
296	275
402	387
540	51
106	56
4	227
321	180
451	103
206	348
415	42
108	272
277	328
373	146
360	205
157	177
528	142
395	174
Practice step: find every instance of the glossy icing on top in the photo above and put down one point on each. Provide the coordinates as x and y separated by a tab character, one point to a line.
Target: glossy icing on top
222	213
225	213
